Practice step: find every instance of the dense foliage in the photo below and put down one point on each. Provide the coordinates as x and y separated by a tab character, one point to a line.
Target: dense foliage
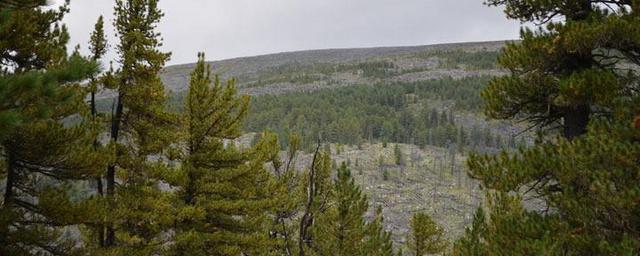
400	112
174	186
480	60
137	209
158	183
224	192
426	236
579	75
421	112
39	88
377	68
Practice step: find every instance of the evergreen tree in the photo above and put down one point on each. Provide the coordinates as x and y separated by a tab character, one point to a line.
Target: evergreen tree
378	240
40	95
589	184
385	174
444	119
461	138
342	229
562	73
98	47
426	236
141	131
224	191
471	242
398	156
31	39
433	120
587	177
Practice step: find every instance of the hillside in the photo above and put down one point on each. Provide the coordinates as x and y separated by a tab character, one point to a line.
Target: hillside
424	99
270	71
527	146
420	80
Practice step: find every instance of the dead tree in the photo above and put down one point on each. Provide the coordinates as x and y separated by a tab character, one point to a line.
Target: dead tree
307	217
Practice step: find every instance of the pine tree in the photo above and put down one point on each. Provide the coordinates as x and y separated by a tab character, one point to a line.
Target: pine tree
426	237
471	242
561	74
461	139
34	38
225	191
377	240
594	192
588	177
141	131
398	156
342	229
98	47
27	44
435	118
43	105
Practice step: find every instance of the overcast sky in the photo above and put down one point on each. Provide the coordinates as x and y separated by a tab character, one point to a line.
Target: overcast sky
236	28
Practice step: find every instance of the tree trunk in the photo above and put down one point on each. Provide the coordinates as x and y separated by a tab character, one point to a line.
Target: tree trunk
576	120
307	217
99	187
11	177
111	170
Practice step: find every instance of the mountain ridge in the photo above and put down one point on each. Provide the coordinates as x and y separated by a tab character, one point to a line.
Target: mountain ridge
492	44
251	69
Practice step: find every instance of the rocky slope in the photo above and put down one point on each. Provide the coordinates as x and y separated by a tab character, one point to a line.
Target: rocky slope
414	62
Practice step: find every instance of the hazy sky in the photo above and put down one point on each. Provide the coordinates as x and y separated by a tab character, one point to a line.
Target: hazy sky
236	28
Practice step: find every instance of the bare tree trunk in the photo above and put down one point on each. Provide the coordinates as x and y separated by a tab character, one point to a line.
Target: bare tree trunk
94	115
287	246
435	192
453	159
10	183
307	217
111	170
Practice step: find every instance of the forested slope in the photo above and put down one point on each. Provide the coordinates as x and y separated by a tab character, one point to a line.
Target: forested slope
367	103
426	95
364	102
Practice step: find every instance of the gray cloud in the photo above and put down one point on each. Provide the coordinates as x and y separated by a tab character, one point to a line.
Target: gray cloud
234	28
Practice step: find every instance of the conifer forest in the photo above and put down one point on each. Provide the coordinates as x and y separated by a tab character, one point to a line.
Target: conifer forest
516	145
